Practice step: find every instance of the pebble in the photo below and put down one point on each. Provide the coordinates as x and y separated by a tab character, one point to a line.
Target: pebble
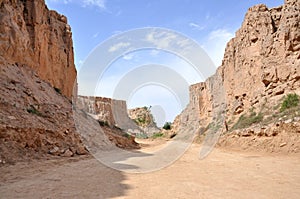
282	144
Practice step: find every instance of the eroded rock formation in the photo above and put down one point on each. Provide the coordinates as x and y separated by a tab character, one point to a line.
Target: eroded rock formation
143	117
36	83
32	35
261	64
108	111
35	119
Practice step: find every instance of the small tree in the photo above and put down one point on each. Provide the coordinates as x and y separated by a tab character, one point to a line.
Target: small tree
167	126
291	100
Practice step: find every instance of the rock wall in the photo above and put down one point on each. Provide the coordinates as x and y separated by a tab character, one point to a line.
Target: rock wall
35	120
143	117
101	107
260	65
32	35
112	111
262	62
36	68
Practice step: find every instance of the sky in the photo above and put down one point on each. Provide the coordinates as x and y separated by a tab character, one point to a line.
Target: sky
211	24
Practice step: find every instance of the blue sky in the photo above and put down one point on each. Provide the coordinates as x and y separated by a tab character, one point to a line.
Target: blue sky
210	23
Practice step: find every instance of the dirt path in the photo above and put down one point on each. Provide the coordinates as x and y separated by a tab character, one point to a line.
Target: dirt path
223	174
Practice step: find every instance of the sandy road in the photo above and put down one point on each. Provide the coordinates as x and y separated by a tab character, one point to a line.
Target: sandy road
223	174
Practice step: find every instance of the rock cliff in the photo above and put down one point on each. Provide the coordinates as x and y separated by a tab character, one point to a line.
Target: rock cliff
37	75
112	116
32	35
35	119
109	111
143	117
261	65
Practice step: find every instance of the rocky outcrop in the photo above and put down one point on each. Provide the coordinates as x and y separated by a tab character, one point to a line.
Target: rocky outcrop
113	119
143	117
262	62
260	65
107	110
35	119
100	107
32	35
281	137
37	75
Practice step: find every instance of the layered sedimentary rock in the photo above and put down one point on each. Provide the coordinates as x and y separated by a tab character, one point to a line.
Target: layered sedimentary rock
32	35
101	107
36	83
107	110
35	119
261	64
143	117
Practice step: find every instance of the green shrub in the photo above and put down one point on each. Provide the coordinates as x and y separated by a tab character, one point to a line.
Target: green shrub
246	121
127	135
291	100
34	111
167	126
157	135
141	136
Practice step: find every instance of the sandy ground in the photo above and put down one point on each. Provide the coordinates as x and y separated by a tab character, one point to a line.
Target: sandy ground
223	174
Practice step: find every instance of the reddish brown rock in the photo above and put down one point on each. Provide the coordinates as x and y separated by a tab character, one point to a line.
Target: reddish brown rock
261	64
32	35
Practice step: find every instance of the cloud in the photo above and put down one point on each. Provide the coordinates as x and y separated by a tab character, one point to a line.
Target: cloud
59	1
196	26
128	56
220	34
118	46
97	3
154	53
95	35
161	39
215	44
207	16
84	3
116	32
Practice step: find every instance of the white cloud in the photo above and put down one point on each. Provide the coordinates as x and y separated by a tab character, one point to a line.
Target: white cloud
220	34
207	16
161	39
97	3
183	68
95	35
154	53
215	44
118	46
116	32
128	56
196	26
84	3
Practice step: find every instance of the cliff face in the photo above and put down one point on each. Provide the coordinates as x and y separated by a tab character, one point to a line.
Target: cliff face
143	117
263	61
32	35
260	65
36	54
34	118
110	111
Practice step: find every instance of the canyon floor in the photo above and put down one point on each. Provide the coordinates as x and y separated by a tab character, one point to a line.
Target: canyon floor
223	174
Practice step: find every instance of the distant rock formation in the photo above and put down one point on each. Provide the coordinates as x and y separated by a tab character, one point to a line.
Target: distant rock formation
110	111
143	117
260	66
32	35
